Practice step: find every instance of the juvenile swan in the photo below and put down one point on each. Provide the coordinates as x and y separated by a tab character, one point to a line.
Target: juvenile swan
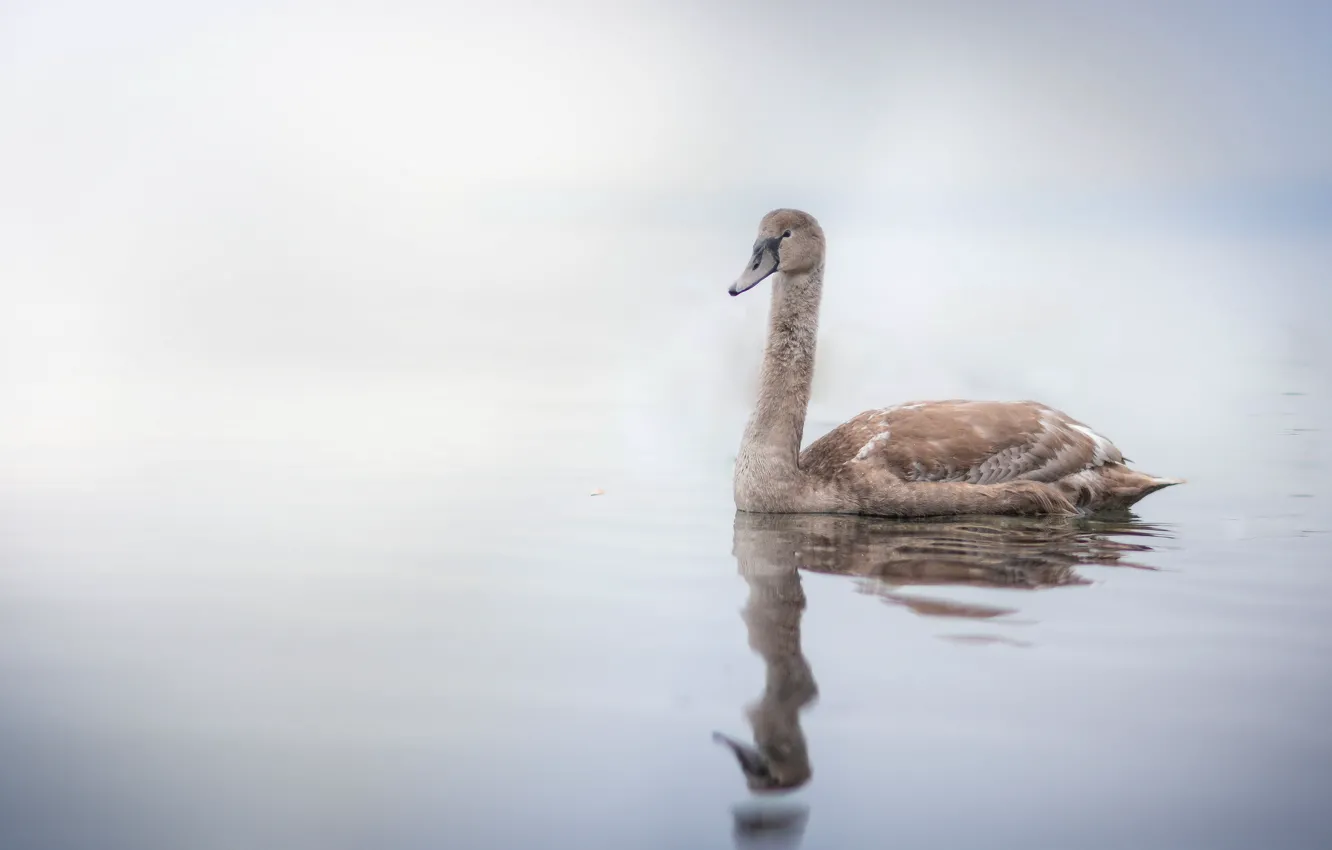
929	458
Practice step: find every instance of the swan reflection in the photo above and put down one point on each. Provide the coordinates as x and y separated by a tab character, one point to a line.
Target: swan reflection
885	555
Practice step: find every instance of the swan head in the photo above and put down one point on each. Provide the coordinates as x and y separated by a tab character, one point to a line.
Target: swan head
789	241
769	769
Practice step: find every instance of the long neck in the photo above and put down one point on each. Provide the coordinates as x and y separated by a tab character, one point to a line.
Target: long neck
778	424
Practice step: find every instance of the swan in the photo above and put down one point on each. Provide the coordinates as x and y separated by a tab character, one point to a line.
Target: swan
919	459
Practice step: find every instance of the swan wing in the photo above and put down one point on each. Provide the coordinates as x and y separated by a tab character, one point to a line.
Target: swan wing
974	442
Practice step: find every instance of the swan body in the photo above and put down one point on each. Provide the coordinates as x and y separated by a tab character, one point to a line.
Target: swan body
926	458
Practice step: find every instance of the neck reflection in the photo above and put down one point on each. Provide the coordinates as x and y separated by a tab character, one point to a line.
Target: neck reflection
886	555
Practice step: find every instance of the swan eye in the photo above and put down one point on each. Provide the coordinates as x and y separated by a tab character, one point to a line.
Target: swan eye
786	235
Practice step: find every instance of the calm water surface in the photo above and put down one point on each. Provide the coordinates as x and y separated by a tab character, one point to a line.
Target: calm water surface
265	653
299	601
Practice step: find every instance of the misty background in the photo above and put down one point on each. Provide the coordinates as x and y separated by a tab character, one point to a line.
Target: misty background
367	229
320	321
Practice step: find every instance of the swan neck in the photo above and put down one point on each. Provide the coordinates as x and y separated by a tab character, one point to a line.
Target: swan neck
777	426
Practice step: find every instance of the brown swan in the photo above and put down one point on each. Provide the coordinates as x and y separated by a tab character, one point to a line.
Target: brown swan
928	458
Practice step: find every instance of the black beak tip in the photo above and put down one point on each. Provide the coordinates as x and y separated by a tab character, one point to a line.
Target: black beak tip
750	759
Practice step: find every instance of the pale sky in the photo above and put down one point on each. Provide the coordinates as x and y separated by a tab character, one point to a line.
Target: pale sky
655	95
454	194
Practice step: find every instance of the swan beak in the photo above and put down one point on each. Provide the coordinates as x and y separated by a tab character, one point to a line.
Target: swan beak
752	762
763	263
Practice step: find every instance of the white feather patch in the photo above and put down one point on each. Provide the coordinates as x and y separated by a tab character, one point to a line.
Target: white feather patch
865	450
1100	450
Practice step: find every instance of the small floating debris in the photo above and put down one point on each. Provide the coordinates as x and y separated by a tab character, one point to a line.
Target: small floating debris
598	492
758	825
